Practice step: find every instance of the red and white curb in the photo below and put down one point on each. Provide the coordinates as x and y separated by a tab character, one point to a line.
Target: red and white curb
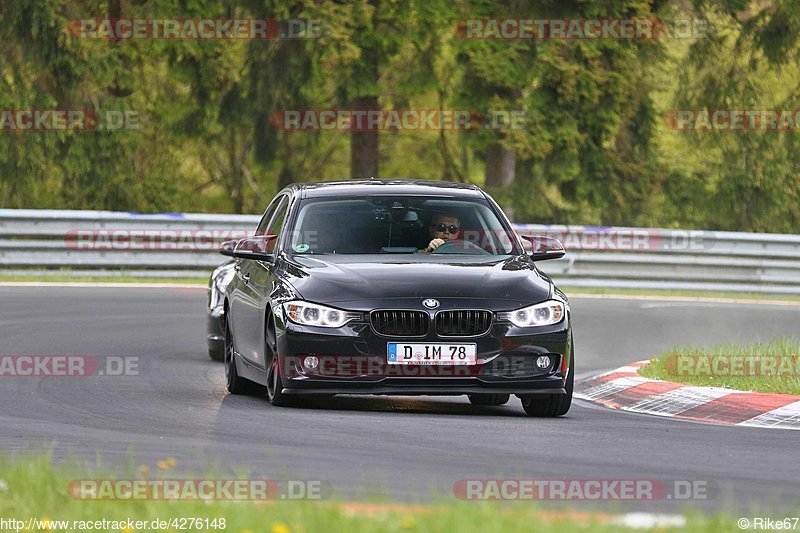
626	390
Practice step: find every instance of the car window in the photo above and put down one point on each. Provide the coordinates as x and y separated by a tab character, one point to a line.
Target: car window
262	225
378	225
275	225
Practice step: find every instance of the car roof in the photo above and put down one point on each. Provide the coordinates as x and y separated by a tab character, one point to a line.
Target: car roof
374	187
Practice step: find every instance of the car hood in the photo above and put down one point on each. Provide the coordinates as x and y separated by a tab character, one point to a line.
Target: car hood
497	282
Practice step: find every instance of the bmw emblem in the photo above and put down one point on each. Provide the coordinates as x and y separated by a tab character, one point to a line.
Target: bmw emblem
430	303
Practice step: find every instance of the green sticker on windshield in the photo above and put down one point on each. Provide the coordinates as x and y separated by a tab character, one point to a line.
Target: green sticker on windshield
300	248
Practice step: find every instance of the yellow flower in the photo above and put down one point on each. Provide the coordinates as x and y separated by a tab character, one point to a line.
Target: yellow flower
171	461
407	522
127	530
163	465
144	469
280	527
45	523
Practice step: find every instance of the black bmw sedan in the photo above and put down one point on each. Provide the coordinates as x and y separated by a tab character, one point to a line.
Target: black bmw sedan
396	287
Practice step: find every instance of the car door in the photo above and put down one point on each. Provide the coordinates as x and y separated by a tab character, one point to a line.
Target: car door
256	284
240	293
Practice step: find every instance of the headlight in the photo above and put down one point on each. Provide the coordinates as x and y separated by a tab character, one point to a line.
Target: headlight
220	279
223	280
543	314
308	314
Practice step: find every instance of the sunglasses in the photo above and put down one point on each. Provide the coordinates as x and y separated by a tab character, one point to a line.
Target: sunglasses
442	228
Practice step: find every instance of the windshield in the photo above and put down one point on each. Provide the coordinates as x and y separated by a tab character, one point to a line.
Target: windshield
399	225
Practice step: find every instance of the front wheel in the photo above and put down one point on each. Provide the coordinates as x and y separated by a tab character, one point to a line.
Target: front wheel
275	393
553	404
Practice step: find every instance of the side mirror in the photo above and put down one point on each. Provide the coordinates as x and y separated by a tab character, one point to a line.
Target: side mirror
255	248
226	248
545	247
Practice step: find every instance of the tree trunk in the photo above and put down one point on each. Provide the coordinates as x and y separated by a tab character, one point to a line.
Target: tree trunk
285	178
500	165
237	177
364	144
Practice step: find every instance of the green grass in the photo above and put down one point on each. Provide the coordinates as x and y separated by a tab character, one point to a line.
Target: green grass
728	295
688	365
31	487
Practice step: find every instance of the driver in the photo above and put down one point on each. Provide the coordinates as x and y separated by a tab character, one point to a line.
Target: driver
443	227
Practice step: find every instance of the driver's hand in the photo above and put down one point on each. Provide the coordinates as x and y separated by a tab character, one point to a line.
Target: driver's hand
434	244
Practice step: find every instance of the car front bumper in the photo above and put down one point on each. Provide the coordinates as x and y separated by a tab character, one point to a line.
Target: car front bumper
215	332
353	360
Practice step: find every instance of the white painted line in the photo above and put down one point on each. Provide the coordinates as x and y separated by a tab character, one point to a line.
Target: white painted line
679	400
787	416
676	305
687	299
649	520
101	285
611	387
589	376
627	369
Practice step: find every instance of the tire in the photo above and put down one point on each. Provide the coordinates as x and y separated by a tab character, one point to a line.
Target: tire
553	404
215	352
488	399
275	393
235	383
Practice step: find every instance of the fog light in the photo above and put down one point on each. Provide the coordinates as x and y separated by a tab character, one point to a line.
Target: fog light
543	362
311	362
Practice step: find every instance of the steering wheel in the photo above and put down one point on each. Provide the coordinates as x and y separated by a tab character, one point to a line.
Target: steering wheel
460	246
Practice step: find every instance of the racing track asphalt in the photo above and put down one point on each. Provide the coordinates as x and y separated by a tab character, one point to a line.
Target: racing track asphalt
405	449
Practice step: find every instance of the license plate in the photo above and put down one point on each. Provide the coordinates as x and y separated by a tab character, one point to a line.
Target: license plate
431	354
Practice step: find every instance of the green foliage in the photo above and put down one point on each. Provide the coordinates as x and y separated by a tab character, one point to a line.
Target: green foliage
770	367
35	488
594	149
751	176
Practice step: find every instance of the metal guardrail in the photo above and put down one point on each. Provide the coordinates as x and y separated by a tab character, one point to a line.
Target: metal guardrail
104	243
